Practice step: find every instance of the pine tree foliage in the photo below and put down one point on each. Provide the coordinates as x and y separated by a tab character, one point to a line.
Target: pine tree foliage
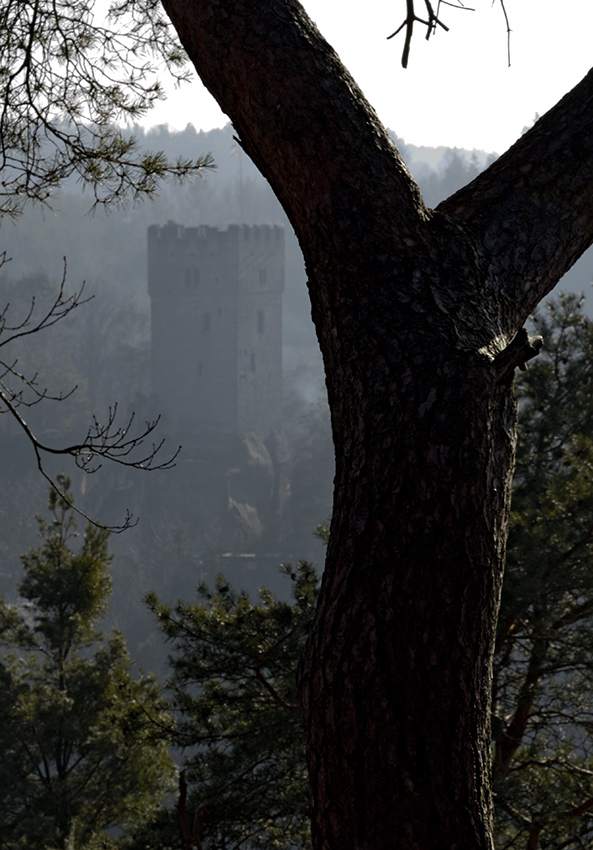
233	670
543	674
233	684
68	76
78	749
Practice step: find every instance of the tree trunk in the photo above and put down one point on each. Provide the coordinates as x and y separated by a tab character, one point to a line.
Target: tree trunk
512	737
413	309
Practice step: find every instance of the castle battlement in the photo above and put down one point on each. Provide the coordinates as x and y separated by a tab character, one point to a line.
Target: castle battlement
247	258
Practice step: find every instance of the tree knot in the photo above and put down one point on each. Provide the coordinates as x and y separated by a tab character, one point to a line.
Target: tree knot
520	349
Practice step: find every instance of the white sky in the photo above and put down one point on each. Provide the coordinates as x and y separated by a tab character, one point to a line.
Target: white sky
457	90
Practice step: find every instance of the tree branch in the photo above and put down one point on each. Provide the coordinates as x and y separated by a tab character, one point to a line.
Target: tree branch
102	442
513	735
531	209
521	349
105	441
412	18
272	690
306	127
64	58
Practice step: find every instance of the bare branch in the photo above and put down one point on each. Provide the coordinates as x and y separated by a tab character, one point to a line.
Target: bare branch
433	20
506	18
102	442
521	349
123	444
412	18
60	307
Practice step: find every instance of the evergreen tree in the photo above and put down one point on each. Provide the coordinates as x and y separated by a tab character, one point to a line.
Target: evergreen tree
78	749
416	312
234	669
543	673
234	691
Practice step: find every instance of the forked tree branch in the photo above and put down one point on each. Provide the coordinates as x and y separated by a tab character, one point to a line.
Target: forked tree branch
104	441
433	20
408	24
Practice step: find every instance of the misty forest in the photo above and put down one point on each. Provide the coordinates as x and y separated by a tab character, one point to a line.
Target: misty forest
168	473
264	510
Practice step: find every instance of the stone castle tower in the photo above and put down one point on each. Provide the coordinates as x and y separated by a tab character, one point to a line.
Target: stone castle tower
216	306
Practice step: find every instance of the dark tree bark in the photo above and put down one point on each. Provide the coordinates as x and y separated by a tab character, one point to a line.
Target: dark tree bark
413	309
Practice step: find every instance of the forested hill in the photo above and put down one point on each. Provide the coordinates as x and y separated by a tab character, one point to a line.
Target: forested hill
112	247
109	249
103	348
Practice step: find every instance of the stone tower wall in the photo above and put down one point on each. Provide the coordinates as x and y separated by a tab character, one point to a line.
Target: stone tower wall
216	305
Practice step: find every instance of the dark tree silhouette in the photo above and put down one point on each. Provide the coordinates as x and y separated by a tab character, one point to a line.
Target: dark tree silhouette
415	310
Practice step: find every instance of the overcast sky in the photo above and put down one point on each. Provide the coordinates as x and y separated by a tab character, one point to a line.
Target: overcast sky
458	90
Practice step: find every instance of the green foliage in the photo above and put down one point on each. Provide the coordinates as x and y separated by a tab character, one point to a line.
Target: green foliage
312	465
543	676
78	749
234	662
234	691
69	592
68	76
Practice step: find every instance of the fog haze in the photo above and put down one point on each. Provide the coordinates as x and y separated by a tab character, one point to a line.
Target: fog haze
240	499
